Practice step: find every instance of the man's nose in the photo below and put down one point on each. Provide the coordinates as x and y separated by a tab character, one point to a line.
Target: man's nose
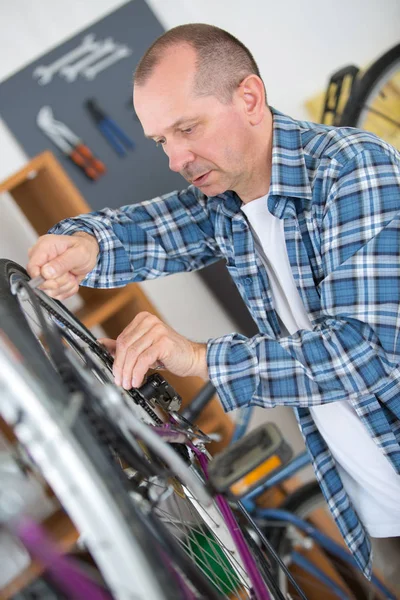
179	156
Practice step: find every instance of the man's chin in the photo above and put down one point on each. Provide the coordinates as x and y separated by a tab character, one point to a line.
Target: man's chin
211	189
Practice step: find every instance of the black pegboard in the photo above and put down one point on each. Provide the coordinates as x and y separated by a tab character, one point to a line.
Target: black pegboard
143	173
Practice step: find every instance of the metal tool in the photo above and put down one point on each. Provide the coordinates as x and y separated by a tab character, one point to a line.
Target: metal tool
121	52
45	73
35	282
69	143
114	135
71	72
18	289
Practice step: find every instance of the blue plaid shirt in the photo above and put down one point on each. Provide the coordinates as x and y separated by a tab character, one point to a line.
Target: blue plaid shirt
338	193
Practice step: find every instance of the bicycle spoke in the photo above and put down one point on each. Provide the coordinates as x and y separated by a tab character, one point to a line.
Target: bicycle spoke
382	115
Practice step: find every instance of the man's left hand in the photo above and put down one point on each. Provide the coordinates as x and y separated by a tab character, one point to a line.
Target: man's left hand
147	343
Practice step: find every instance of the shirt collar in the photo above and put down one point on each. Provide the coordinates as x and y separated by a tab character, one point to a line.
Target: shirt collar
289	175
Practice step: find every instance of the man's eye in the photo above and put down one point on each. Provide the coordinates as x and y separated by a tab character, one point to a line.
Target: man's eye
188	129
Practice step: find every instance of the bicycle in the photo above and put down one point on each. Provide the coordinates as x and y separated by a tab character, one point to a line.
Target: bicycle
293	527
145	467
127	468
369	100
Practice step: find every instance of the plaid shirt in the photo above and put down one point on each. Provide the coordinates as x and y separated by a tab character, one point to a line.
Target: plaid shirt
338	192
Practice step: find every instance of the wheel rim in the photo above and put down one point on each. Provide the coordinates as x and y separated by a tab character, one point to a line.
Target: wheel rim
200	533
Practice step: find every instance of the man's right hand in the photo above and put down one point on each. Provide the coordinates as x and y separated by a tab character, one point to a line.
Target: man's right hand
63	261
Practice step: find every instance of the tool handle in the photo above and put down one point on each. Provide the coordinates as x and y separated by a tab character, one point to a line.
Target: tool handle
91	172
87	167
77	158
84	150
111	138
120	133
95	162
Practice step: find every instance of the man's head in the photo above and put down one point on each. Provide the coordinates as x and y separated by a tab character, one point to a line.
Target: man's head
198	92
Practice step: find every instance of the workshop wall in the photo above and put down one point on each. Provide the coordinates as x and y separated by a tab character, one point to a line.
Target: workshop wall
296	45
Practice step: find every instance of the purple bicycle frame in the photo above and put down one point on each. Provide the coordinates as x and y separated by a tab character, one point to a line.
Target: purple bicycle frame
64	570
67	573
249	563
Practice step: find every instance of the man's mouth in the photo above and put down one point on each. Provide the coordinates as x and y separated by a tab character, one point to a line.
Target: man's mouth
200	180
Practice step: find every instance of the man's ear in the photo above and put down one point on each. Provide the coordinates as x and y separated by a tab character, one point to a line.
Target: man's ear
252	94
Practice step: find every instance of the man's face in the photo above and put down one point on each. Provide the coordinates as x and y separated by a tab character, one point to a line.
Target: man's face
205	140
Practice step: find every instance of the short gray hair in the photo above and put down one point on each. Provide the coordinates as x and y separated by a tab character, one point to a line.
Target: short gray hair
222	60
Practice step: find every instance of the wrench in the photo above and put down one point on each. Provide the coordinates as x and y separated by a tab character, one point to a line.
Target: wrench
71	72
44	73
121	52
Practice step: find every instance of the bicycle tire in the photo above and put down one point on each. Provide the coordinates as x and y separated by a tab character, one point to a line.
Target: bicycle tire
79	439
302	502
351	116
8	268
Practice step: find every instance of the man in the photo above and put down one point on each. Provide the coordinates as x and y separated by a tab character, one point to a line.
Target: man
307	218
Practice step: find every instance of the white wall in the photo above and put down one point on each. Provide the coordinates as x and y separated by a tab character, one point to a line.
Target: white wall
297	44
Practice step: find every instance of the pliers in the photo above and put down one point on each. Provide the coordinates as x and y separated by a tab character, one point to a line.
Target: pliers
69	143
114	135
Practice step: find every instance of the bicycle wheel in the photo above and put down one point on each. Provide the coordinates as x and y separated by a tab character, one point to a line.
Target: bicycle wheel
199	531
374	102
34	402
308	503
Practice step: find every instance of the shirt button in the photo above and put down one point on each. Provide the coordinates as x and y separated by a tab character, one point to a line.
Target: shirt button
248	280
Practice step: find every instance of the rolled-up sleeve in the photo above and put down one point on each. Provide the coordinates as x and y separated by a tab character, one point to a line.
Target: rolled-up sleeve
169	234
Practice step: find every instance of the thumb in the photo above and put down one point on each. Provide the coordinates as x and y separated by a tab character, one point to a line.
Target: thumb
69	261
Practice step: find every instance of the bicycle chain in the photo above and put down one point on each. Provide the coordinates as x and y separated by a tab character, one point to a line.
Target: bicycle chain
100	353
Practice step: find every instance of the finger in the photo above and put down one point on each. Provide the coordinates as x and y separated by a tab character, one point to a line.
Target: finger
64	292
140	325
134	351
62	287
45	249
144	362
60	282
109	344
37	258
69	260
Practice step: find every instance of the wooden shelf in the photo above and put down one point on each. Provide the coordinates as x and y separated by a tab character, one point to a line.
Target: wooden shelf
104	306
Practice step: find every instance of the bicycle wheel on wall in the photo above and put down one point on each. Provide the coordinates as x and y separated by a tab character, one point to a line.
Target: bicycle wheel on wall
374	103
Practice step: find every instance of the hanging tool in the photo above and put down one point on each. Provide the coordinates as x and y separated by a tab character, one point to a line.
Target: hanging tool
45	73
114	135
69	143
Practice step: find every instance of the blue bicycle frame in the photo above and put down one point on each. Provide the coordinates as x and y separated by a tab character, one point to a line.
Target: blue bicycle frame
277	514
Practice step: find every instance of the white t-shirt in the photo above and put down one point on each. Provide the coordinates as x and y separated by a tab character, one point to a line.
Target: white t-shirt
368	477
